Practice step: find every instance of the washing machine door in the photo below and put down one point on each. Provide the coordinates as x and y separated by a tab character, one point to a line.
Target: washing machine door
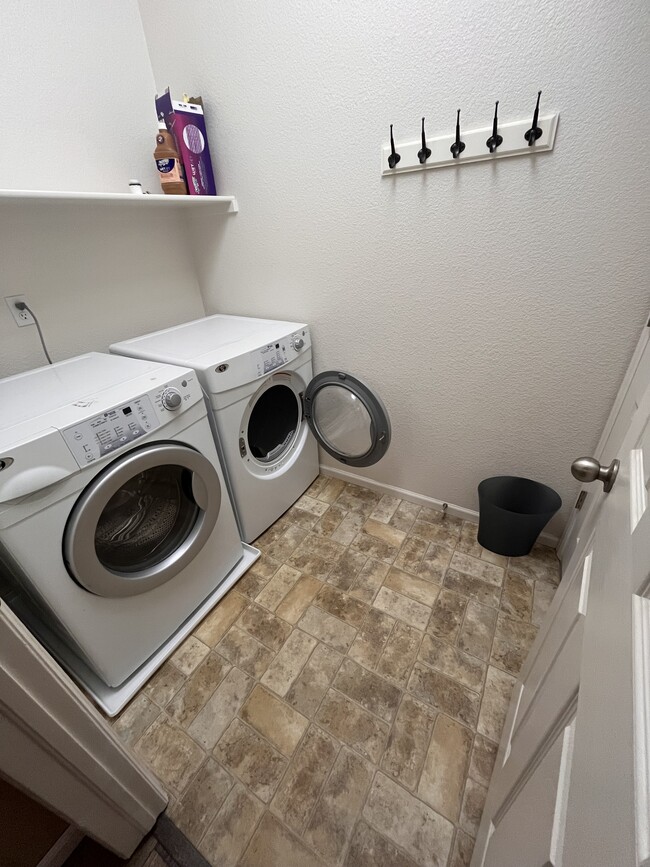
142	520
347	418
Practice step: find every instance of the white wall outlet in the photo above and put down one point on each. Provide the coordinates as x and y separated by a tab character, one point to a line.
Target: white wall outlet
22	317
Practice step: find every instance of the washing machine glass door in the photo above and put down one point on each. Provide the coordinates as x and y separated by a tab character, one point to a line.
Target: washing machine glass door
142	520
347	418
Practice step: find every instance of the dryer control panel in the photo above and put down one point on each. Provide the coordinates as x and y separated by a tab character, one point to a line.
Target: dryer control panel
268	358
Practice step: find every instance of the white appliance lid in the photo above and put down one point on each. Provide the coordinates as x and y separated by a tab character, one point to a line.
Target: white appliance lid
36	394
209	341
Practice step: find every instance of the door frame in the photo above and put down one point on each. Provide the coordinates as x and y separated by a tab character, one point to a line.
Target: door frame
56	746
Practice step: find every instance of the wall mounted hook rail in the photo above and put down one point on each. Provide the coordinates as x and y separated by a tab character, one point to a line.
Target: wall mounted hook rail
531	135
394	157
476	147
495	139
458	146
424	153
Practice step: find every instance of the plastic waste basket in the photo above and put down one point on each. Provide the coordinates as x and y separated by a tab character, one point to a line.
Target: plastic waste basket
513	512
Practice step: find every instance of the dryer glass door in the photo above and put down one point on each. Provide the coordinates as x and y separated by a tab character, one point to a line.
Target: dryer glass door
348	419
142	520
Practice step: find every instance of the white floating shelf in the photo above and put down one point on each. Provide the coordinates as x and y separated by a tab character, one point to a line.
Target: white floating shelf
514	144
218	204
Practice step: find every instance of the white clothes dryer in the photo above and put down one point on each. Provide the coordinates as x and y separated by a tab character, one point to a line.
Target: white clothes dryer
268	410
117	533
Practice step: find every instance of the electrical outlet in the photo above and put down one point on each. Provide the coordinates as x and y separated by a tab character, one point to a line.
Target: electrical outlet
22	317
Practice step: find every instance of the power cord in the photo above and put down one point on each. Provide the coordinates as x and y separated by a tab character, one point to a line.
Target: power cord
20	305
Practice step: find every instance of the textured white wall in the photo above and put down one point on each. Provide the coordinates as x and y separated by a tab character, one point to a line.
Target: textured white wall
77	114
93	275
77	91
496	306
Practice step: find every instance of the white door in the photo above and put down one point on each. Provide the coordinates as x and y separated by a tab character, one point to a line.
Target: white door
571	786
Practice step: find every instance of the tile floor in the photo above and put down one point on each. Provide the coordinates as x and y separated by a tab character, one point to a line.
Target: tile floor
343	703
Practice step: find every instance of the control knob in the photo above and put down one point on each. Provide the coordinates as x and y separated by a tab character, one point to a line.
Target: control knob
298	344
171	398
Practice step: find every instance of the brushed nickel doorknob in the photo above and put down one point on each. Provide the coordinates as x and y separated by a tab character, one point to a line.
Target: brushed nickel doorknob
589	470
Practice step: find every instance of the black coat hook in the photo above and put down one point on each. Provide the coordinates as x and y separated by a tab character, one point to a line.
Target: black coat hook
531	135
495	139
394	157
458	146
424	153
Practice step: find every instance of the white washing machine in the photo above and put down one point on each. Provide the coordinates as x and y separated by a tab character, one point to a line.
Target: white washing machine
117	533
258	381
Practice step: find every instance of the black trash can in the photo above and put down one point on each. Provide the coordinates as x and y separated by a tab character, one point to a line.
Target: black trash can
513	512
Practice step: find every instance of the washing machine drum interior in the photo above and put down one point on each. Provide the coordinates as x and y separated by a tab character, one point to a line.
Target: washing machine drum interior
273	423
146	519
142	520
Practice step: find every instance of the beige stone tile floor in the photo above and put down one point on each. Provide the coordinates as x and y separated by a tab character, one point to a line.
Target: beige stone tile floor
343	703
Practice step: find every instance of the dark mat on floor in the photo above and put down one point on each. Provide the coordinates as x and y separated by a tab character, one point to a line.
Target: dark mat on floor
164	846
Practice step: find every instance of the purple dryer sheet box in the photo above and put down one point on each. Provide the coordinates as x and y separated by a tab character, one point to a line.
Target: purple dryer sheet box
186	122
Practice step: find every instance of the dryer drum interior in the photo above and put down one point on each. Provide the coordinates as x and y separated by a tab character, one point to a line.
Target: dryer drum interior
273	423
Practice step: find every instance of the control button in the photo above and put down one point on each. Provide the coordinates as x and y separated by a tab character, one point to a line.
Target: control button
298	344
78	436
184	383
89	457
171	398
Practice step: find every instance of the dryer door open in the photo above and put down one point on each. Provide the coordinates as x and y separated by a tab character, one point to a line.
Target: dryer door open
142	520
348	419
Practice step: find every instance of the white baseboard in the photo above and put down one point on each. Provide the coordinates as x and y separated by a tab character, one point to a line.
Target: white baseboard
58	854
420	499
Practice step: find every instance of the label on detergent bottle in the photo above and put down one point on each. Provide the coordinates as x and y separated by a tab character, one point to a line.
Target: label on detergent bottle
165	166
171	170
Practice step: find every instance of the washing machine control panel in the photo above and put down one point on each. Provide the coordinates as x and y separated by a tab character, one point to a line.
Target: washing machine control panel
97	437
101	435
274	355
